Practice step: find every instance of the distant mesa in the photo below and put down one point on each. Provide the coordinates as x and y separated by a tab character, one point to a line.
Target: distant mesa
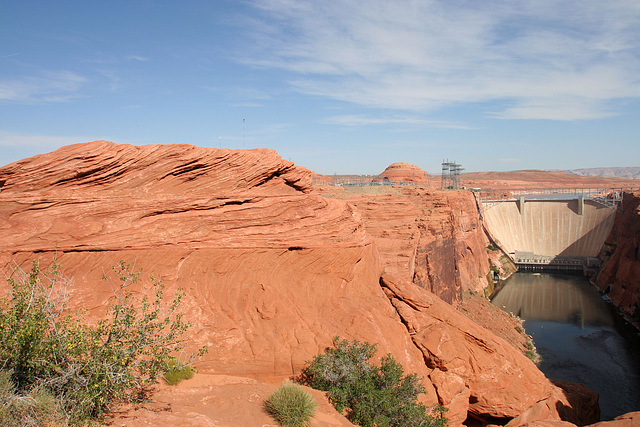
619	172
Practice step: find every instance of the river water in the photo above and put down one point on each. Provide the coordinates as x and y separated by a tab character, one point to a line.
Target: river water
578	335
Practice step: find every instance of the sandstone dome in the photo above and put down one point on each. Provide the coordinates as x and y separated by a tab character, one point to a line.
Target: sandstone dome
404	173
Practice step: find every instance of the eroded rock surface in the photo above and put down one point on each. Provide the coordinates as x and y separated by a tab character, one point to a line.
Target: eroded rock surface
272	270
431	237
272	273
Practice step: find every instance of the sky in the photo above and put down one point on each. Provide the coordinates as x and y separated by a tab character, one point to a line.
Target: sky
340	86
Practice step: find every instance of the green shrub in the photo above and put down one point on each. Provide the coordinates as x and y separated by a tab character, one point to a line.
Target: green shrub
178	372
372	396
291	405
88	368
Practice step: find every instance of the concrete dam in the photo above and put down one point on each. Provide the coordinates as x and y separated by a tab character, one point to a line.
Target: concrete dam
549	227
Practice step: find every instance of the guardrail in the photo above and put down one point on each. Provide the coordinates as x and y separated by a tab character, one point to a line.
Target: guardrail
606	196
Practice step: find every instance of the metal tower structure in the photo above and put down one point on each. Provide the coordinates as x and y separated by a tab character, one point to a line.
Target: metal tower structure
451	175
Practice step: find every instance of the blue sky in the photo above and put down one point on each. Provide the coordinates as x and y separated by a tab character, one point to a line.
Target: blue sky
335	86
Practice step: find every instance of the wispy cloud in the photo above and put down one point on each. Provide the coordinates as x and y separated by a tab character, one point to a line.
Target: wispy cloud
549	59
138	58
52	86
362	120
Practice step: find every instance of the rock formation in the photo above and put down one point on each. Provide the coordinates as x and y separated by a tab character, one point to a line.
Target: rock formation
632	419
400	173
272	272
433	238
620	274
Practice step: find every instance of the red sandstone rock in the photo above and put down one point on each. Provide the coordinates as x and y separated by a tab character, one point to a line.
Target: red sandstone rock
169	169
400	173
432	238
621	273
272	272
632	419
216	400
453	394
110	197
550	423
481	311
571	402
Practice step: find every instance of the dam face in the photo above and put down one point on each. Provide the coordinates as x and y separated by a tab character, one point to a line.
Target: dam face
540	231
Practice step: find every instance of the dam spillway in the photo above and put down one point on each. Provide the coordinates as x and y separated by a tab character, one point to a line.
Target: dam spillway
549	229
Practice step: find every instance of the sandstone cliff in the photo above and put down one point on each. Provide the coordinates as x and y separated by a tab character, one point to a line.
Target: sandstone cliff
431	237
272	272
621	272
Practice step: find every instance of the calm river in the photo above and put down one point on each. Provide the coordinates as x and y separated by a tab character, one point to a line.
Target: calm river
578	335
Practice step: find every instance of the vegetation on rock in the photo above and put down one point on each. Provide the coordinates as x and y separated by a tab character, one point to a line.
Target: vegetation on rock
86	369
371	395
177	372
291	406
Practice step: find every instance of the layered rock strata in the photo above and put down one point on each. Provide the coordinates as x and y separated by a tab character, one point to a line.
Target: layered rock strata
272	271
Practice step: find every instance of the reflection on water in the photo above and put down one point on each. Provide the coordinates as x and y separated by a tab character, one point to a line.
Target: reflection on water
578	335
556	297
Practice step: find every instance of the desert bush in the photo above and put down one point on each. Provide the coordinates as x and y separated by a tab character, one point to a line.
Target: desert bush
178	371
371	395
291	405
87	367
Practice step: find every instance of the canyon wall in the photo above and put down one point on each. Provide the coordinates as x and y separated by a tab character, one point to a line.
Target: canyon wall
272	271
431	237
621	270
